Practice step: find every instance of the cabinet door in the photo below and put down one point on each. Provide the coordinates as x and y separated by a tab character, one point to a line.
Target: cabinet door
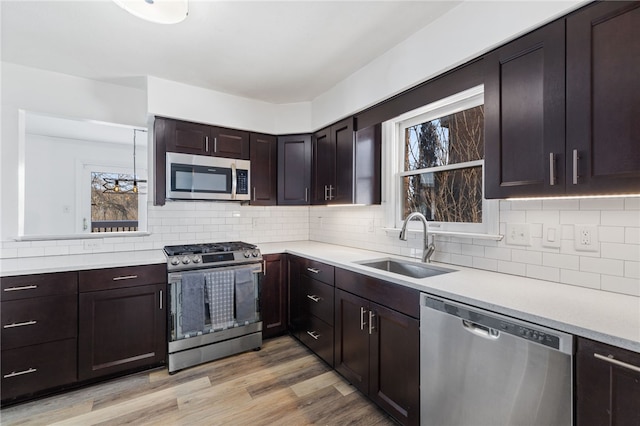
294	169
264	170
395	364
324	166
121	329
274	296
342	133
188	138
603	105
352	339
524	115
229	143
368	147
607	385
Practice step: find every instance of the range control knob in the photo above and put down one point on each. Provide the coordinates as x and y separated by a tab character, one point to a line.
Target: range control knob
186	260
175	261
196	258
255	253
247	254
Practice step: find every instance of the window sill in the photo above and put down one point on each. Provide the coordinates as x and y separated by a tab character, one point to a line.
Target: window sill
82	236
470	235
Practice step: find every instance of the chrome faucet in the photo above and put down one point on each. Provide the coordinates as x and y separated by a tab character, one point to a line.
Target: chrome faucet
428	249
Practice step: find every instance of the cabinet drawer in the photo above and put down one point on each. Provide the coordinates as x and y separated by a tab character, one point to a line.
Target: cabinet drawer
318	336
318	299
25	286
318	270
128	276
38	320
38	367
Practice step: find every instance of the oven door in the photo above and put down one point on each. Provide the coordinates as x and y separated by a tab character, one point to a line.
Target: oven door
198	177
213	304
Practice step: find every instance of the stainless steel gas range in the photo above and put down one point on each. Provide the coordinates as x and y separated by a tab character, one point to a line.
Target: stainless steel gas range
214	294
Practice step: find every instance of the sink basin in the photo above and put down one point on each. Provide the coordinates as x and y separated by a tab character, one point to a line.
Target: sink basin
408	269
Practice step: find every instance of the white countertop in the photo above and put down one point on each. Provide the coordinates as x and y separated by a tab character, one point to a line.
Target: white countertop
603	316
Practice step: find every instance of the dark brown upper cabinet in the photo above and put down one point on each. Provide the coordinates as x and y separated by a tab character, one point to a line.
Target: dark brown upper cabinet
524	115
201	139
294	169
603	99
346	164
557	126
264	169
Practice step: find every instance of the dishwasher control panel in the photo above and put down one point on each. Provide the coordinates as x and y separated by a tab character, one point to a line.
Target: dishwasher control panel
493	324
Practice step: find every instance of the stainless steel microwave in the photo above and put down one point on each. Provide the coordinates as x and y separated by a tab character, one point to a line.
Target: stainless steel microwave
199	177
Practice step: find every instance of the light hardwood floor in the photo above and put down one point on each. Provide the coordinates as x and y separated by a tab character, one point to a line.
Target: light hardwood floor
282	384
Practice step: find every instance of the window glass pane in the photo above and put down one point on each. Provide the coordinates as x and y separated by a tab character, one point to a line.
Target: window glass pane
447	196
451	139
111	210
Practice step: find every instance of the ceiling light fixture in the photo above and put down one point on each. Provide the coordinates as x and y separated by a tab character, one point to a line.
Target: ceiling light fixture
158	11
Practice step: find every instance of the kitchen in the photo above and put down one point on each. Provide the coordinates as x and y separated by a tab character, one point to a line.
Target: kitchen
612	270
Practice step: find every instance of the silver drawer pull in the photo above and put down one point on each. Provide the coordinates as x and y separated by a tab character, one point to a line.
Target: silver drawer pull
314	270
25	287
313	334
612	360
125	277
20	324
20	373
313	297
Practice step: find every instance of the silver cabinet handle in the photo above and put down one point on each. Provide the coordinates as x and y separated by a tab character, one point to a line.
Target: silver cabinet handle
331	188
20	373
254	193
24	287
206	143
362	321
20	324
610	359
264	267
313	334
326	193
125	277
314	270
576	157
160	299
215	144
306	195
552	169
372	315
313	297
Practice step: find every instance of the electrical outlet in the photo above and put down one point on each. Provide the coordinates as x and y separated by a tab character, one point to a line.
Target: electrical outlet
586	238
518	234
370	225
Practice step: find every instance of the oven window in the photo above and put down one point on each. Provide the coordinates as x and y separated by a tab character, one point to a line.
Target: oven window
201	179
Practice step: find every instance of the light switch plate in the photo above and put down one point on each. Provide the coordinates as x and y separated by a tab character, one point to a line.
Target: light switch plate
518	234
551	236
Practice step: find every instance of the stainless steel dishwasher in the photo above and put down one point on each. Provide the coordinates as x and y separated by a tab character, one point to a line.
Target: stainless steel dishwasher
481	368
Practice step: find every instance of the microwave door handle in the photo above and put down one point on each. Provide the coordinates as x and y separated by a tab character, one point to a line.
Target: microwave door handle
234	181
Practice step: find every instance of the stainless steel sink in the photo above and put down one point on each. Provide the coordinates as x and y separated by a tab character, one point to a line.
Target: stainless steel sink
408	269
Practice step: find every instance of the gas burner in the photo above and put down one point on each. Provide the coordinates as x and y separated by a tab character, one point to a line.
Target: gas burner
192	256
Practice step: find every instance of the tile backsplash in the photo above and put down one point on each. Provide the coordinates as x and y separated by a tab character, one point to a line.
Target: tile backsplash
615	266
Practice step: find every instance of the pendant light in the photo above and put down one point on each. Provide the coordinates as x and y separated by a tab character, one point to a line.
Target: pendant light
158	11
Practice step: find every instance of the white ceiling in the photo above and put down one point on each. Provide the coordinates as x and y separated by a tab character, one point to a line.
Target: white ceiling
278	52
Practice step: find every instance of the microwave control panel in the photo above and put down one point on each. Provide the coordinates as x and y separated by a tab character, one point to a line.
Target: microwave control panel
243	181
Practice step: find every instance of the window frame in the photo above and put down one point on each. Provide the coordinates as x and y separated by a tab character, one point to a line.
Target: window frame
393	166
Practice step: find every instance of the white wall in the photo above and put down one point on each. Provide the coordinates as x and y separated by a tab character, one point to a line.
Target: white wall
463	33
177	100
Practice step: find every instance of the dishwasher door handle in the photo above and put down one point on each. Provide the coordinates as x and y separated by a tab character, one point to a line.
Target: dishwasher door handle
481	330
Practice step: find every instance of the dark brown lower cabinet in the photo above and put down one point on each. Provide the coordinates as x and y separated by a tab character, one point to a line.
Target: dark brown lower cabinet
121	329
377	349
607	385
273	297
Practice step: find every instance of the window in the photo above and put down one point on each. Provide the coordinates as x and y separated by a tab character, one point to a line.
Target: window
114	202
436	155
